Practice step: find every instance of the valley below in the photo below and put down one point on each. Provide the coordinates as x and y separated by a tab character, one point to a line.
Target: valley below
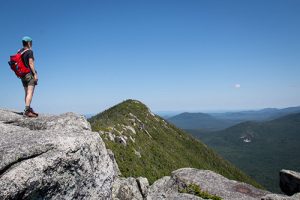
261	144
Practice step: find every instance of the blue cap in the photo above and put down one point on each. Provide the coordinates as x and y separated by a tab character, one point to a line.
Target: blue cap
26	39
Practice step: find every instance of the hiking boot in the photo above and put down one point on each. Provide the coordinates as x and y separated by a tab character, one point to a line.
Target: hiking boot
28	113
31	110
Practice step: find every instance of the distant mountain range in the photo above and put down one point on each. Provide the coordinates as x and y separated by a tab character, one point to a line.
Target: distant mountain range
260	149
144	144
219	121
202	121
257	115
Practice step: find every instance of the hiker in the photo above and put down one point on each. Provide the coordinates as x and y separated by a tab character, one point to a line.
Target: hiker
30	80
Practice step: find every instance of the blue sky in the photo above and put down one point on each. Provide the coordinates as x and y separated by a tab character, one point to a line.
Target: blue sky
194	55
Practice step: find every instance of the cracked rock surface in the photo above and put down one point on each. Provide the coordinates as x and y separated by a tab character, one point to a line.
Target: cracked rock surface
52	157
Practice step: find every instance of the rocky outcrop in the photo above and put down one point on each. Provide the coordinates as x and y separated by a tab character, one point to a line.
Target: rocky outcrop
126	189
52	157
173	187
115	165
143	185
216	184
168	188
289	181
138	189
281	197
59	157
208	181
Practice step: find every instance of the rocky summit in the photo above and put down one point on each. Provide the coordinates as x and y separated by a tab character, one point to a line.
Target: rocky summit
59	157
52	157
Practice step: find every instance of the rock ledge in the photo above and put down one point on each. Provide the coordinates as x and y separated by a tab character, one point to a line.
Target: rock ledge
52	157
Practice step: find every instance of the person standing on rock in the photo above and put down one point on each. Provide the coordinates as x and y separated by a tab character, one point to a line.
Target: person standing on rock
30	80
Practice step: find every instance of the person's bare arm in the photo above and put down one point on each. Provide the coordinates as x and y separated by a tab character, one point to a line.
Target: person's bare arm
31	64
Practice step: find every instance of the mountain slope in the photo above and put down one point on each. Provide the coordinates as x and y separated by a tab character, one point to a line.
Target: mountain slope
146	145
260	149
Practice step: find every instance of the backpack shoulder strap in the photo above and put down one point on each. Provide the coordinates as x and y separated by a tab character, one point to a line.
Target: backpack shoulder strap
24	51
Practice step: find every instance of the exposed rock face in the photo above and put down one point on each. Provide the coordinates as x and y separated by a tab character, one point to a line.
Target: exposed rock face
167	188
143	185
126	189
138	189
281	197
52	157
170	187
289	181
216	184
121	139
115	165
163	187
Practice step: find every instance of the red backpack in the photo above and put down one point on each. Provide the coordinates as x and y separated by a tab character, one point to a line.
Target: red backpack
17	65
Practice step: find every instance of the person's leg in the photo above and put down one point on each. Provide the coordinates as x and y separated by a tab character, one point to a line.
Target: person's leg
29	94
29	86
25	90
